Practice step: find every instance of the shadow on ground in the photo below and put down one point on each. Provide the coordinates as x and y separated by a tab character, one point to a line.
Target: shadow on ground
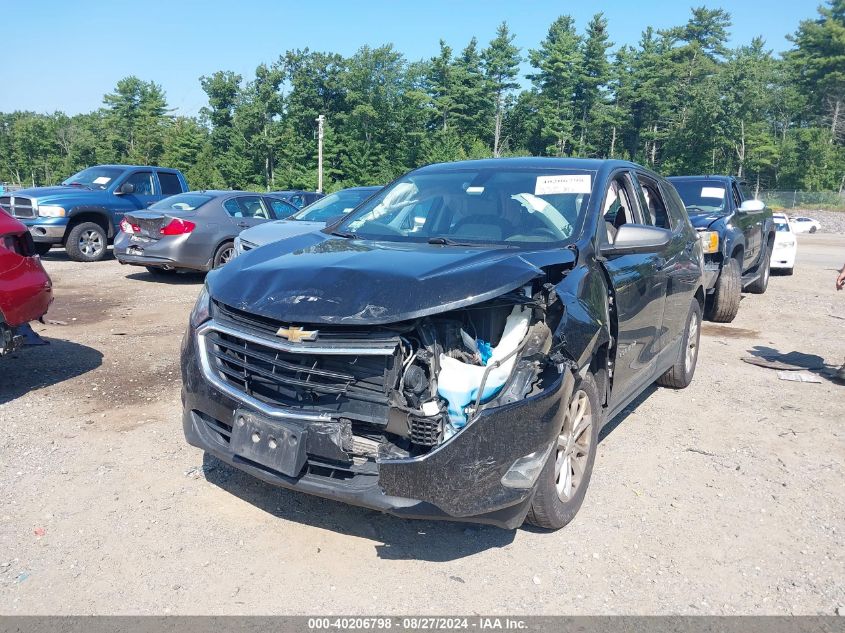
172	279
37	367
400	539
812	363
628	410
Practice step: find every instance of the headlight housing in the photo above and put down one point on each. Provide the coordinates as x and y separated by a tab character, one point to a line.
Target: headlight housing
709	241
202	308
51	211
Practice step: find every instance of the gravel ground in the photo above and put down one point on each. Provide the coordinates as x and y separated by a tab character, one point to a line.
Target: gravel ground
724	498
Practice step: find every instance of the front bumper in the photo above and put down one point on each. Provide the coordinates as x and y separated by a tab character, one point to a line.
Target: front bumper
783	257
169	252
47	231
460	480
710	274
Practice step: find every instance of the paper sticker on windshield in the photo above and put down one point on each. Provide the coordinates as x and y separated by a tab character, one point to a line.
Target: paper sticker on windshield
101	180
568	183
712	192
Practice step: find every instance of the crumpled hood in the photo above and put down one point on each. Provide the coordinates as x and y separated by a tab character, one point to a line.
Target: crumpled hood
704	220
315	278
279	230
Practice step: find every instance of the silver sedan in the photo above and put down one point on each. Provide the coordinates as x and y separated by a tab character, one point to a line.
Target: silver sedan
194	230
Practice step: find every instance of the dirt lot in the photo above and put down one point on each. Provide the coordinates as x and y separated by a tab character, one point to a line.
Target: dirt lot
724	498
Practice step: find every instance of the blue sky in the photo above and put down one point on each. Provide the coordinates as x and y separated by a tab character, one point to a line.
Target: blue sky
65	54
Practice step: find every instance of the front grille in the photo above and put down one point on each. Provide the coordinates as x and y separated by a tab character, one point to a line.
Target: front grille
339	335
19	207
347	385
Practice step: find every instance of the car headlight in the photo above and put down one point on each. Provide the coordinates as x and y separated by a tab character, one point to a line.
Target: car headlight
202	309
50	211
709	241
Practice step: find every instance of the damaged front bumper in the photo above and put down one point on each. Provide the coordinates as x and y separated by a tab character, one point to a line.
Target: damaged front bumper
461	479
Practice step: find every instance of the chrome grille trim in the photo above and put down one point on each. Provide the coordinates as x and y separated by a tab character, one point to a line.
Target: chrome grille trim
210	370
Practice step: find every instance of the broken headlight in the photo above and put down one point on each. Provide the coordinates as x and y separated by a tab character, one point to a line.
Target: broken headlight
202	308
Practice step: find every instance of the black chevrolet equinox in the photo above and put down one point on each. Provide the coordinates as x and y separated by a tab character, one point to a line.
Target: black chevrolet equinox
452	347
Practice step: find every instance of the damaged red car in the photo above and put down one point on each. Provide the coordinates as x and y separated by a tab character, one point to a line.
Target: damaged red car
25	287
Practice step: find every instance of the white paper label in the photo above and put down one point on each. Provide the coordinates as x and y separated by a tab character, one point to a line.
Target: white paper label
712	192
101	180
568	183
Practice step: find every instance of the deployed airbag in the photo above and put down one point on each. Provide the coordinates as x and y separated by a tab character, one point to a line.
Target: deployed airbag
458	382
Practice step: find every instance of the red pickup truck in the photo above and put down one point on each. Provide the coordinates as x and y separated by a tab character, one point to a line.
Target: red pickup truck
25	287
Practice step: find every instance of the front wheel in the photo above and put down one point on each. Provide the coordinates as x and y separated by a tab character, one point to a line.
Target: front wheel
679	375
86	242
724	305
813	229
561	487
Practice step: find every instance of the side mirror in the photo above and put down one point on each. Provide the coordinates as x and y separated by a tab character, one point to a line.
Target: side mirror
126	187
637	238
752	206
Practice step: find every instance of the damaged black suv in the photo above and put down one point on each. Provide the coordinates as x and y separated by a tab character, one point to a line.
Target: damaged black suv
453	347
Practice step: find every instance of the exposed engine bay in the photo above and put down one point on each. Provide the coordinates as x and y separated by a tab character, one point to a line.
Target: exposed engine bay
452	366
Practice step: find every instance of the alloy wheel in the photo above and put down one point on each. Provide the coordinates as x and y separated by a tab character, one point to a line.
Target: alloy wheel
90	243
226	256
692	342
573	446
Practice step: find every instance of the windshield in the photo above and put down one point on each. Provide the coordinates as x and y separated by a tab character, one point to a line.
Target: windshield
701	196
94	177
333	205
515	207
181	202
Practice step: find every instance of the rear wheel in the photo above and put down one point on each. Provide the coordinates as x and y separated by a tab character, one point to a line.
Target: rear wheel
813	229
224	255
563	483
680	374
42	248
788	271
86	242
759	285
724	303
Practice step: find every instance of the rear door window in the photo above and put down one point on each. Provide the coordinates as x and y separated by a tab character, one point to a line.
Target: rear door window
169	183
247	207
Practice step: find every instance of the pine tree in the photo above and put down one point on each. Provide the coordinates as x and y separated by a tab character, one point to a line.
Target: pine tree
501	65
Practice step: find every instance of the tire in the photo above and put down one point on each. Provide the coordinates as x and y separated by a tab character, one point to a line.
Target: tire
759	285
223	254
813	229
42	248
724	304
158	271
86	242
679	375
551	509
788	271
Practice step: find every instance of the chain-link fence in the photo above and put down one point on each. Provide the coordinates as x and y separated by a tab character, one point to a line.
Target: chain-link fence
828	200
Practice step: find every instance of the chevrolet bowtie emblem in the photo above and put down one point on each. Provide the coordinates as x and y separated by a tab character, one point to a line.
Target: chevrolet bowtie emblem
296	334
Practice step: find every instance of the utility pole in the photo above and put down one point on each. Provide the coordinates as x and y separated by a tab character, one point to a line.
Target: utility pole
320	120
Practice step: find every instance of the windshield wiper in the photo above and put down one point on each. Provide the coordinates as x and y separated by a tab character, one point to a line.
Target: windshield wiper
349	235
447	241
